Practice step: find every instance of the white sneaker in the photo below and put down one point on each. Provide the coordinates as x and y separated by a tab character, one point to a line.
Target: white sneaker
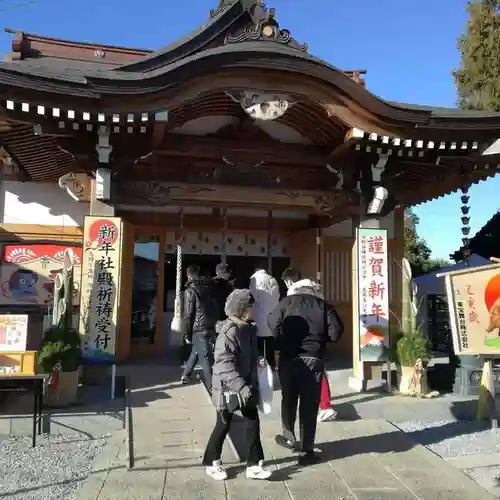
325	415
216	471
258	471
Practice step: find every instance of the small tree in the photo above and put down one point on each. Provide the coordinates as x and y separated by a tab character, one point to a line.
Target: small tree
478	78
416	249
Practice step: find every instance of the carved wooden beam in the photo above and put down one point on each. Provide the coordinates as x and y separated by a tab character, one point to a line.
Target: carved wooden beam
158	194
221	172
353	136
272	151
159	130
213	222
5	126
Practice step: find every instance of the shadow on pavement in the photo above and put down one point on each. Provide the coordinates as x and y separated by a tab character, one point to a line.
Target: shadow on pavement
389	442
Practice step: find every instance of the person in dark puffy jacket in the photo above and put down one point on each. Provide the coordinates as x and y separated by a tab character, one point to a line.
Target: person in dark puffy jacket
235	373
303	324
223	287
201	313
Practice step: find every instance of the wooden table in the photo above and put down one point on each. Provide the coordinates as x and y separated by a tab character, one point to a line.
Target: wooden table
19	382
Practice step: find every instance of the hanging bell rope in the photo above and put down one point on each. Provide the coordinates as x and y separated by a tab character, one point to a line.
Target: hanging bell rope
270	242
319	234
223	253
465	218
180	241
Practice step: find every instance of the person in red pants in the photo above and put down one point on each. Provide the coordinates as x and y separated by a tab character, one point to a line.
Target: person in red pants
326	412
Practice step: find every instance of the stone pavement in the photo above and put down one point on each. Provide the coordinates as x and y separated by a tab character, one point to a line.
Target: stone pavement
365	459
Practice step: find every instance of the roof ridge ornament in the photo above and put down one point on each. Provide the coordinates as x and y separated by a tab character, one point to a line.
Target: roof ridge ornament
223	6
264	28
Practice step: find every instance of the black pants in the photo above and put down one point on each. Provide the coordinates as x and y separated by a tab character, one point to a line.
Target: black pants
214	447
266	349
300	380
202	352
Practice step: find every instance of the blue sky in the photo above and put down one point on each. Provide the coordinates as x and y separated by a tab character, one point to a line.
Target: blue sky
408	48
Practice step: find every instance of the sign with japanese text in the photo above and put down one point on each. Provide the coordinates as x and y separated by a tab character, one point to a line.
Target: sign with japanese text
13	332
27	274
373	294
474	305
101	271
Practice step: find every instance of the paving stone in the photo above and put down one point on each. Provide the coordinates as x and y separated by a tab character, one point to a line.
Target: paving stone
134	485
362	460
192	484
241	488
420	471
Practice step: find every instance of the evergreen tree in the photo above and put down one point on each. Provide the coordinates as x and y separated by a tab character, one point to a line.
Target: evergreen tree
416	249
478	78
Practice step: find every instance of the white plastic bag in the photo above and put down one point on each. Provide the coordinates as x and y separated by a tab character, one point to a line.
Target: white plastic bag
266	386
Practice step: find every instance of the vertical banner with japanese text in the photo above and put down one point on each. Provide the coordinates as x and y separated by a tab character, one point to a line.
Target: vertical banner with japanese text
373	294
101	271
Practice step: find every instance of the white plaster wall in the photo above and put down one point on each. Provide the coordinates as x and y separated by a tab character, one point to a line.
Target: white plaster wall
39	203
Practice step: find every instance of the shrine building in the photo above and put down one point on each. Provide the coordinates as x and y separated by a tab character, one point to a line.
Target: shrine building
233	144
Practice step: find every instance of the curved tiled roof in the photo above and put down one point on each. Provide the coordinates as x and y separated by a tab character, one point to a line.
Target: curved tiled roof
233	37
240	43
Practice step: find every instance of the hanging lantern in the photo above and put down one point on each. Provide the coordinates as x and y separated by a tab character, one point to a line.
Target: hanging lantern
465	219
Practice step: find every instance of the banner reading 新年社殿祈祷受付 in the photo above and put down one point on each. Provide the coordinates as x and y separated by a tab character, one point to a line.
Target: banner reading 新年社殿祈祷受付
373	295
474	305
101	271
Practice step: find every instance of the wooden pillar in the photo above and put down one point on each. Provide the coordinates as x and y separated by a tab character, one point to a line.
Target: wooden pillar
97	206
125	297
101	184
365	365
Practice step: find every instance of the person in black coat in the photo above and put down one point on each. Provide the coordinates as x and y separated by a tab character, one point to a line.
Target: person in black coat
223	287
303	324
201	313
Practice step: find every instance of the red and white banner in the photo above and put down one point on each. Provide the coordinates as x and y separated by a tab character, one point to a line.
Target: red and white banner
373	294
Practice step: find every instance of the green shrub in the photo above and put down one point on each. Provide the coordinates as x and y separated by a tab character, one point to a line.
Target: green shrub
60	346
410	347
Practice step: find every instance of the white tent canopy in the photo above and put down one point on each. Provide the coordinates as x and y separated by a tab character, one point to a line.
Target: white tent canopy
431	284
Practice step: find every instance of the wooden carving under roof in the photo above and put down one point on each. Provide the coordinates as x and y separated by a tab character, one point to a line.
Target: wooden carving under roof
158	194
53	107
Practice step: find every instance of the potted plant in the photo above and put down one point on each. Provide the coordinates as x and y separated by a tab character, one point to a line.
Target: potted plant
60	357
412	355
60	351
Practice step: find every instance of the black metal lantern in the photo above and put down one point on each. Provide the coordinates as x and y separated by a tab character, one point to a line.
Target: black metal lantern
465	219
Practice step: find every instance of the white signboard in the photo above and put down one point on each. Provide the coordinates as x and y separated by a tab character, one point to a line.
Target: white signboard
373	294
13	332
